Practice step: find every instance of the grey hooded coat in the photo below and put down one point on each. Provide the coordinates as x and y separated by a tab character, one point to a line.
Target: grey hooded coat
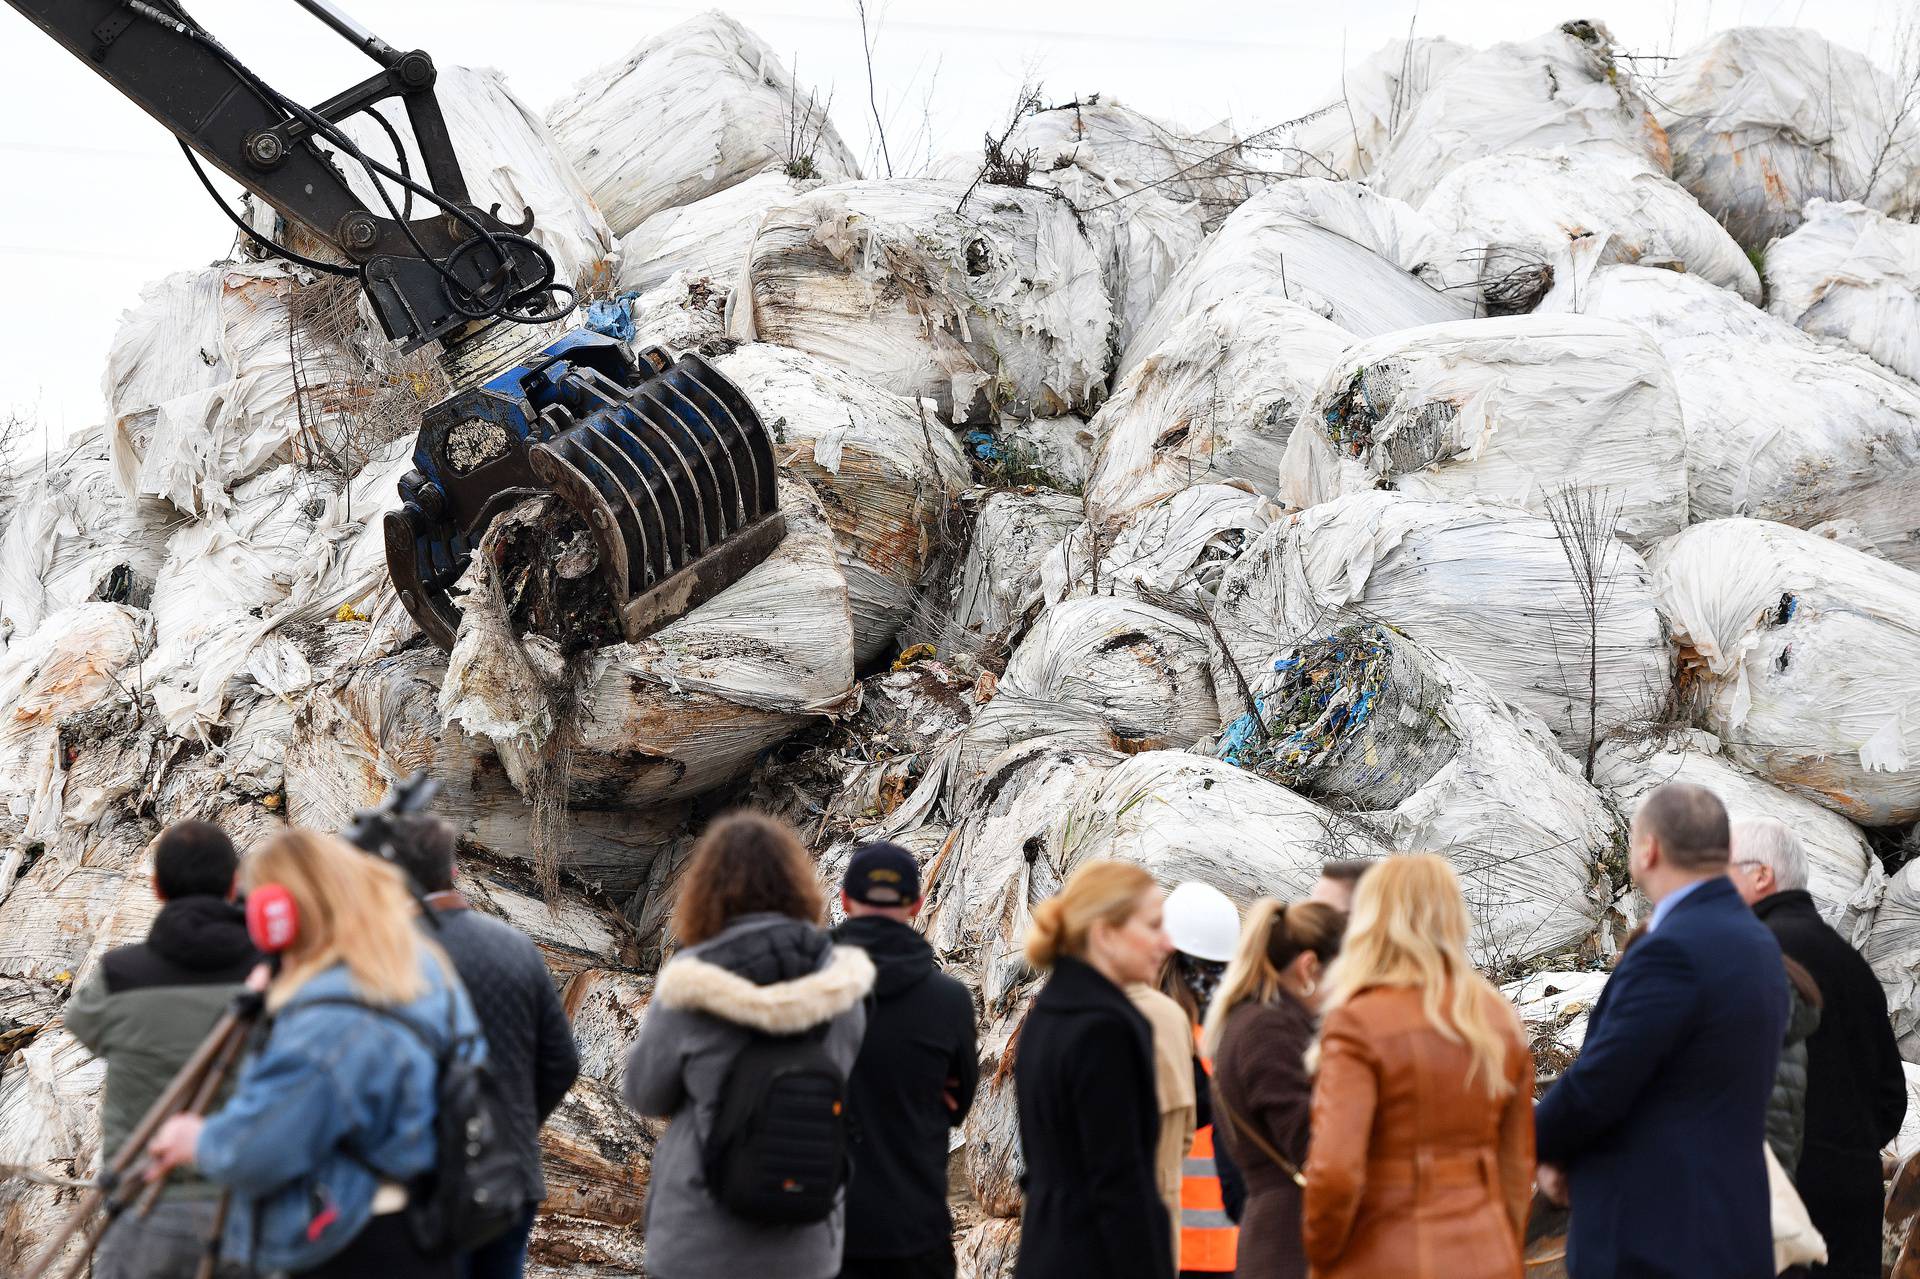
765	974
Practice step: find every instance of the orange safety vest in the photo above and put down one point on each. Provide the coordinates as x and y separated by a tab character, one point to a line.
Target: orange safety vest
1209	1241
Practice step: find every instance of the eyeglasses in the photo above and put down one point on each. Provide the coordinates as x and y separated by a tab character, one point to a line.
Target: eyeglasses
1748	863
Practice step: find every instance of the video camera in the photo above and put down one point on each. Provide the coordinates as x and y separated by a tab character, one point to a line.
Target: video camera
371	829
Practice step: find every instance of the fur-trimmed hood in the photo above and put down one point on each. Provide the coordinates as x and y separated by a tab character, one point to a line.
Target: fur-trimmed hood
705	980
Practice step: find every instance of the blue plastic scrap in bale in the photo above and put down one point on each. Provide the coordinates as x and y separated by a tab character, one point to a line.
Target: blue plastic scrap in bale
984	446
614	316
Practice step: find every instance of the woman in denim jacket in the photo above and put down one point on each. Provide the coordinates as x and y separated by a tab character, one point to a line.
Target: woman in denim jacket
333	1119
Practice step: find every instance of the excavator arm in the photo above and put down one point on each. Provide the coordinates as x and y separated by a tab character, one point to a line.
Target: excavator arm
661	465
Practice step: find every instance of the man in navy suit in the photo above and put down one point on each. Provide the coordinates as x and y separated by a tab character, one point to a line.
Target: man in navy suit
1656	1131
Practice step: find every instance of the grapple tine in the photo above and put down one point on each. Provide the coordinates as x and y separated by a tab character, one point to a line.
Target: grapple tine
665	461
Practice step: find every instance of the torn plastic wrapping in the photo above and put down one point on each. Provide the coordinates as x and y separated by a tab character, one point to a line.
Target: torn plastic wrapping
74	661
1179	545
1363	718
69	535
49	1108
1215	401
1851	275
1779	427
1012	535
200	385
999	306
1274	245
1516	410
508	159
884	466
1516	212
1563	88
709	237
693	110
1763	119
1143	669
686	708
1805	653
1839	862
1374	97
1489	587
1889	937
1109	142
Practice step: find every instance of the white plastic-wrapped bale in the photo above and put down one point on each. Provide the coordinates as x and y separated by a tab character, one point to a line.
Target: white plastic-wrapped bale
981	893
1275	246
883	466
1046	452
1144	669
1394	229
709	237
1517	211
1146	192
70	535
73	662
49	1107
989	1250
693	110
1889	937
1363	718
1517	410
1839	861
679	712
684	313
1492	588
1012	535
508	159
354	738
1186	816
1563	88
1215	401
1763	119
1851	275
1179	545
1779	427
595	1153
999	305
200	385
1806	654
1375	96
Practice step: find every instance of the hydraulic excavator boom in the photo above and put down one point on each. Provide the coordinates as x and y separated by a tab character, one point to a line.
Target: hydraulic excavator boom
664	461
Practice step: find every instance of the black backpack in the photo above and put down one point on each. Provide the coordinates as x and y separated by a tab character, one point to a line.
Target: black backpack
477	1187
777	1153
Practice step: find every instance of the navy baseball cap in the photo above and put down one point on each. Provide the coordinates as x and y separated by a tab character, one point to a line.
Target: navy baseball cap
883	875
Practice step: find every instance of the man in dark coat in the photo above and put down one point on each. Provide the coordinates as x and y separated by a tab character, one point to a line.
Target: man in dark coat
1658	1128
1856	1090
912	1083
146	1008
530	1047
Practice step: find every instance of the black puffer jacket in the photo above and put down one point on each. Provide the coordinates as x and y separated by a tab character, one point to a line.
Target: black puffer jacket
530	1047
1787	1108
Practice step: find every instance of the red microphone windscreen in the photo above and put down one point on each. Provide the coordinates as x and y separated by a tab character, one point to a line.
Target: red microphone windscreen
273	921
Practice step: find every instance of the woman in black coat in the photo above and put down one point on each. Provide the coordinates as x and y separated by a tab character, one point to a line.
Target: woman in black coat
1083	1078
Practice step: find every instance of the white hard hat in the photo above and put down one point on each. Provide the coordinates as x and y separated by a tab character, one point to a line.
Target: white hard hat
1202	922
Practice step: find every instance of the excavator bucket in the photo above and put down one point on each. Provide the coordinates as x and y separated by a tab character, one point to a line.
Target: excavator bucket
664	461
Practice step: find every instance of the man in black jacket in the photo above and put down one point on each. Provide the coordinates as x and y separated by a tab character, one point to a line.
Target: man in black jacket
1856	1090
530	1047
912	1083
146	1008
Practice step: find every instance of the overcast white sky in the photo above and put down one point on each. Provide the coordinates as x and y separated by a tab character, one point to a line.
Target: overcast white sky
98	199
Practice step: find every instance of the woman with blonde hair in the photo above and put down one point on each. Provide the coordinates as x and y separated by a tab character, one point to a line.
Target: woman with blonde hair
331	1122
1084	1082
1421	1164
1257	1034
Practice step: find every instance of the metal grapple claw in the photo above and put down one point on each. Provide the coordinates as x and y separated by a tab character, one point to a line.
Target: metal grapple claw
664	461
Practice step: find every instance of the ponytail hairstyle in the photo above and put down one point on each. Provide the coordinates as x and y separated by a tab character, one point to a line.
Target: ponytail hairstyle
1274	935
1100	889
1409	929
353	908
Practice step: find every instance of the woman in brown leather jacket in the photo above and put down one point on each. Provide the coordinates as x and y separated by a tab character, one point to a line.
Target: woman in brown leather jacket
1258	1032
1421	1165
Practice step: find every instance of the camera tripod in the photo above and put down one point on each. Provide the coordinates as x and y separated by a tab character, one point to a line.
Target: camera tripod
122	1187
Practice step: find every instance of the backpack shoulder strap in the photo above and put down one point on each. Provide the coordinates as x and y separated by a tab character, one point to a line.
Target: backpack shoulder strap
393	1015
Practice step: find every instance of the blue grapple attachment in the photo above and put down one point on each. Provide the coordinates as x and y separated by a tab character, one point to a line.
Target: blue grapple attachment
665	462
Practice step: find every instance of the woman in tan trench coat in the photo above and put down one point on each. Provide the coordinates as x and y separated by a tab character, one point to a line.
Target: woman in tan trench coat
1421	1165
